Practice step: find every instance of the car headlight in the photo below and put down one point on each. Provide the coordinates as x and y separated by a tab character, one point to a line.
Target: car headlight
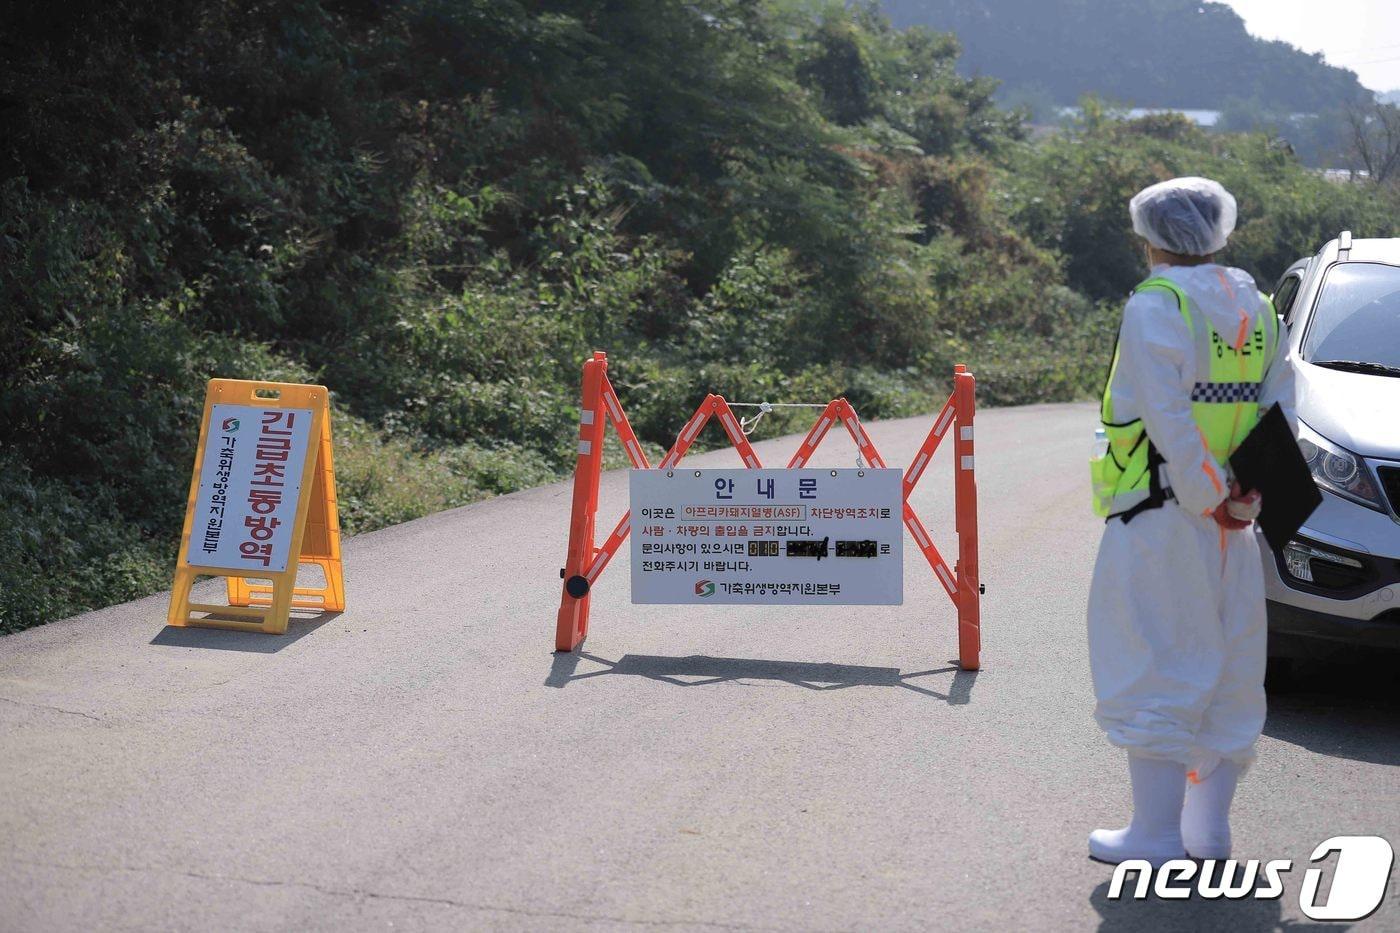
1337	469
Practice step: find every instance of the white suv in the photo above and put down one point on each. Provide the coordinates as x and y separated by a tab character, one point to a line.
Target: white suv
1339	579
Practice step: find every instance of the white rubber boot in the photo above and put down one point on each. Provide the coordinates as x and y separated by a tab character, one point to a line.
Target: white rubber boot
1155	831
1205	817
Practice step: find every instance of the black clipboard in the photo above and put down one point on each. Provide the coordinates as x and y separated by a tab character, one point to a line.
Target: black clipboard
1269	460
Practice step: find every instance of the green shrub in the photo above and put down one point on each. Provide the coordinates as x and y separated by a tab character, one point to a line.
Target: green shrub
66	548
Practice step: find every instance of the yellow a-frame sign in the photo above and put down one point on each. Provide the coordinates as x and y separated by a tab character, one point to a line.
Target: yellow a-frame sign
261	503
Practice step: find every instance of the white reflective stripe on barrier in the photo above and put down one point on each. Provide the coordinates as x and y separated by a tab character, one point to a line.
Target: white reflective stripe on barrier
601	558
965	433
585	447
916	470
947	579
943	422
967	463
585	415
919	535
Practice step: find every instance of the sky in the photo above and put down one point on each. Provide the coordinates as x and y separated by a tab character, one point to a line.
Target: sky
1362	35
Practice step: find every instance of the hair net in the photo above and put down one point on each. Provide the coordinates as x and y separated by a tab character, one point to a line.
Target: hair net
1189	216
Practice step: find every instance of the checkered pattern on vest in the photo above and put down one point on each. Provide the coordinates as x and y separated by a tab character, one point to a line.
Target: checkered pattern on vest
1225	392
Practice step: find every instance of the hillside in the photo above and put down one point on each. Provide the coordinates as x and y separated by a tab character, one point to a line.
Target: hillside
1149	53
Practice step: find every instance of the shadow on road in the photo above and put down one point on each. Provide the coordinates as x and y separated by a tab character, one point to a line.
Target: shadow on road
703	670
1195	913
1345	706
300	626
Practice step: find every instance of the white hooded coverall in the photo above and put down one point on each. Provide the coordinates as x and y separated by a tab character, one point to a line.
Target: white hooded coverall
1177	632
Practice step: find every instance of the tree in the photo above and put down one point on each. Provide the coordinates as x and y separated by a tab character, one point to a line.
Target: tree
1375	138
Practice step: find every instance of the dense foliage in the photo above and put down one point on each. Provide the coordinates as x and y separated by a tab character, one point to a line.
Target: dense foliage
439	207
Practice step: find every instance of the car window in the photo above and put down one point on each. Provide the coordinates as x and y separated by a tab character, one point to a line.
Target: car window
1357	315
1285	294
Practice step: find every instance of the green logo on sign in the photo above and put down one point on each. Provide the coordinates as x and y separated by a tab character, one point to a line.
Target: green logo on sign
230	425
704	588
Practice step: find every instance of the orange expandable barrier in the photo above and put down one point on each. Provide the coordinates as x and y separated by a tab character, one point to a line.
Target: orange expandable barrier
585	562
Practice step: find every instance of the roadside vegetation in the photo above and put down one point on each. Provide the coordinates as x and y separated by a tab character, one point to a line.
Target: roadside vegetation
438	208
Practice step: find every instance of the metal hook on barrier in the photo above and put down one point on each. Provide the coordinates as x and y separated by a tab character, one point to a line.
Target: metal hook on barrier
747	425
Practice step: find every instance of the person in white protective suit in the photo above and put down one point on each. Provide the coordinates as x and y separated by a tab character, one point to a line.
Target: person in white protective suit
1176	619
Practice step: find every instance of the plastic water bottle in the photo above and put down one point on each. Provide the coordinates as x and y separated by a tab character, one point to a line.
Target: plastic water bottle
1100	447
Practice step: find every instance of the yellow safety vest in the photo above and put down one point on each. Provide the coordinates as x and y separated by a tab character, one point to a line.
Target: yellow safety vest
1224	402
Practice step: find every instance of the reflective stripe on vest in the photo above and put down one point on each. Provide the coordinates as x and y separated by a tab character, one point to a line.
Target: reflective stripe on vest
1224	402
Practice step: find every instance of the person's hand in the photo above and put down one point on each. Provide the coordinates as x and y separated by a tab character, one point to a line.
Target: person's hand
1246	507
1239	510
1225	520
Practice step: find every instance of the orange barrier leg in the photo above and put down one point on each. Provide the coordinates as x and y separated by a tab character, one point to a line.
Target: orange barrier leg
965	494
572	624
829	416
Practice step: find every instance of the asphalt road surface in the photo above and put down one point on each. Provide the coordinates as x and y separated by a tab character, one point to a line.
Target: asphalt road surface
425	761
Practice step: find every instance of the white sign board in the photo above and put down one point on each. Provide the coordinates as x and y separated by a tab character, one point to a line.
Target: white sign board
249	484
758	537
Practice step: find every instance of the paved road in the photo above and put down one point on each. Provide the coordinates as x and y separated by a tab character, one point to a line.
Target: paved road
423	761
